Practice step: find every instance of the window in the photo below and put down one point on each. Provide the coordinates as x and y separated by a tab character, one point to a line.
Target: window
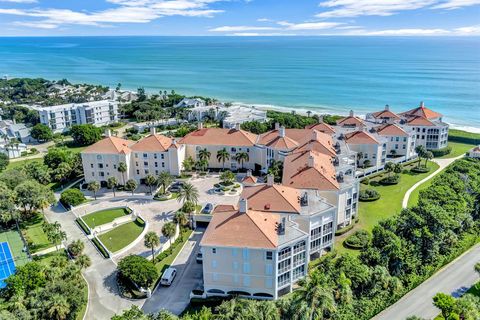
91	165
163	164
102	174
397	139
396	146
162	156
269	255
145	155
245	253
233	149
136	164
155	156
145	163
156	164
136	155
156	172
246	267
138	171
100	165
146	171
99	157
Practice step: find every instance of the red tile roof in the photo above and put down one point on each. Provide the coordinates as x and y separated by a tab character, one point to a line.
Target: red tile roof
272	139
385	114
350	122
322	127
422	111
391	130
220	137
420	121
153	143
110	145
274	198
360	137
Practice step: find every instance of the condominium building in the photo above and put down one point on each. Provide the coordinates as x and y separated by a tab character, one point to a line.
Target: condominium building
60	118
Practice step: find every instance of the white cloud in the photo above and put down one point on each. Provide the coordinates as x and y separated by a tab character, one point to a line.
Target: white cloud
309	25
408	32
128	11
472	30
264	20
20	1
240	28
35	25
257	34
455	4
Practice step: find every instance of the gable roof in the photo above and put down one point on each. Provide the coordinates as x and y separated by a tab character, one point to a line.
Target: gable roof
110	145
360	137
309	170
153	143
385	114
274	198
272	139
318	141
220	136
322	127
249	180
422	111
350	121
391	130
253	229
419	121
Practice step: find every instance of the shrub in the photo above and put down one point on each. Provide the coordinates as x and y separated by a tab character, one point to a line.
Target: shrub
358	240
72	197
101	248
139	270
441	152
365	181
390	180
76	247
344	229
83	226
369	195
188	207
420	169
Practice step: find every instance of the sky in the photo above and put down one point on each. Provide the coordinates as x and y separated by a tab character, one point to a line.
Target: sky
239	17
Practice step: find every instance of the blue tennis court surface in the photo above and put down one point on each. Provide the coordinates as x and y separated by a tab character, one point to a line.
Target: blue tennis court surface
7	266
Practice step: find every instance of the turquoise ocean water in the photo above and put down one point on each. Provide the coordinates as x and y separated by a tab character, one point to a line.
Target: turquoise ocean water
334	74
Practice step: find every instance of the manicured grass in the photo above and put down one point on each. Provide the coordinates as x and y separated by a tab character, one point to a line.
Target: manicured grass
104	216
49	257
16	164
458	149
34	235
123	235
16	245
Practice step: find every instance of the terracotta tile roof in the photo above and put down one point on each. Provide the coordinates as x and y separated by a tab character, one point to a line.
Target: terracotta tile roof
110	145
153	143
224	207
309	170
350	122
385	114
360	137
391	130
322	127
419	121
297	134
422	111
317	141
273	140
274	198
220	136
253	229
249	180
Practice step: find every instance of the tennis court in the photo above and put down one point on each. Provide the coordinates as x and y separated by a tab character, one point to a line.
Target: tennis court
11	253
7	266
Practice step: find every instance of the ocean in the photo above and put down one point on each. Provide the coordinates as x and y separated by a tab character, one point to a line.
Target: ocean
322	74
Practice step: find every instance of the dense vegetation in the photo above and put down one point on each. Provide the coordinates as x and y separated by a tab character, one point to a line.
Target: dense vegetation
403	252
463	137
56	291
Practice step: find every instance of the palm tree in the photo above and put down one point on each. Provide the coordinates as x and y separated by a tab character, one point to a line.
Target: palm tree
314	298
188	193
275	169
83	261
94	186
188	164
122	168
204	154
180	218
151	241
227	177
201	164
112	183
309	113
222	156
58	307
150	181
131	185
241	157
168	230
421	151
164	179
428	156
359	157
54	233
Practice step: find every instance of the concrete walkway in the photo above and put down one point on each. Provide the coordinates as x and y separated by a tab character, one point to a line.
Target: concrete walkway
455	278
442	163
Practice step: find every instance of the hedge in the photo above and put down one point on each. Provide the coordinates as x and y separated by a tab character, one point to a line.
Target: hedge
358	240
344	230
99	246
390	180
369	195
72	197
441	152
82	225
420	169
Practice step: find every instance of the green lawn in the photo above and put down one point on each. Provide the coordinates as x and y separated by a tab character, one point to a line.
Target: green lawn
16	164
47	258
16	245
33	233
390	203
104	216
458	149
123	235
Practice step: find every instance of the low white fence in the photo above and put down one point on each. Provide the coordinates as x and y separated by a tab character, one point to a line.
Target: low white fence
167	244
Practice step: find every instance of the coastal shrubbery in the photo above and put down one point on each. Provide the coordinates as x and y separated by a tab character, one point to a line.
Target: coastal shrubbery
72	197
441	152
358	240
368	195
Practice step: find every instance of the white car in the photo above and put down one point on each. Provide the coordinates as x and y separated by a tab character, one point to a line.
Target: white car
168	276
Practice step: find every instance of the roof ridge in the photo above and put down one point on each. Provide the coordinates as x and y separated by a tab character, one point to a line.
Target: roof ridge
256	225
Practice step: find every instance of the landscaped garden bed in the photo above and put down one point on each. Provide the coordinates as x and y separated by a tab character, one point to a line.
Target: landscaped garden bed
358	240
121	236
98	218
368	195
166	196
32	231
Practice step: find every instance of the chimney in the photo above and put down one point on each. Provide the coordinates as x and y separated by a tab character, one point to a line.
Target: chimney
351	113
422	104
387	107
320	118
243	205
153	130
281	132
108	133
249	173
277	126
200	125
311	161
270	180
237	126
281	226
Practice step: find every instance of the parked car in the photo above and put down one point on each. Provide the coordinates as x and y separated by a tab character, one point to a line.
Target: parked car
199	257
208	208
175	187
168	276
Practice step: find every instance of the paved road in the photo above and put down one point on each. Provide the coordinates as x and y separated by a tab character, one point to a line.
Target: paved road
453	279
442	164
176	297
